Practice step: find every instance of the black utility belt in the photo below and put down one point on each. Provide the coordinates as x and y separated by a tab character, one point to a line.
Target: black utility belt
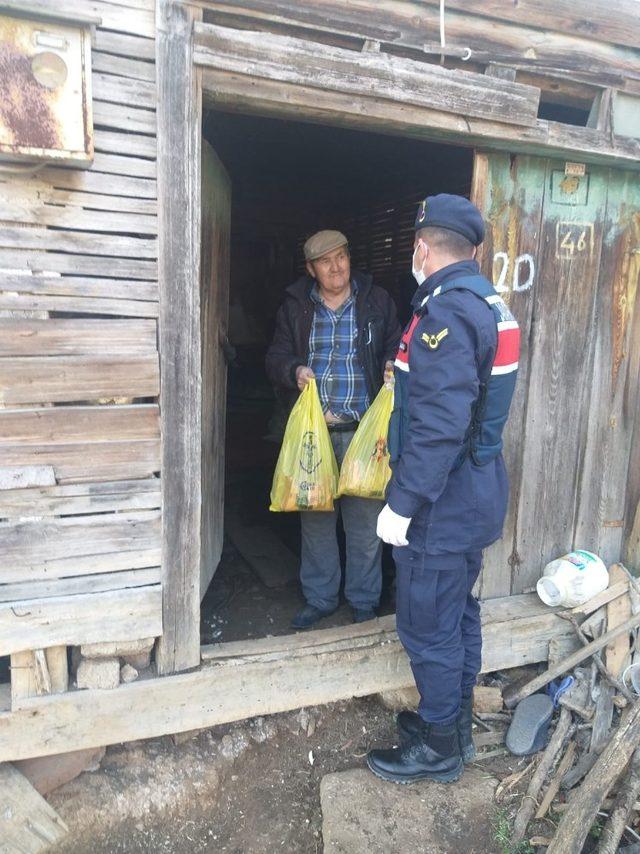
342	426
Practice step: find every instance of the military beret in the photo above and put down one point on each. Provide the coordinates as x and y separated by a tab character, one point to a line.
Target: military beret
454	213
322	242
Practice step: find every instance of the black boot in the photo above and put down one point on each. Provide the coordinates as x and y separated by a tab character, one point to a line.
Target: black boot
410	723
434	754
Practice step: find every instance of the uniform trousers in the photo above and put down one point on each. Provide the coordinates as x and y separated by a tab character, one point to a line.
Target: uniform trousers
438	622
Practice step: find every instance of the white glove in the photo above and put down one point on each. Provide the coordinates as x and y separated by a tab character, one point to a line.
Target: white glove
392	528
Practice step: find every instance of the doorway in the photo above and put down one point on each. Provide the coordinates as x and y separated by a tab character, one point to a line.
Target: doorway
281	181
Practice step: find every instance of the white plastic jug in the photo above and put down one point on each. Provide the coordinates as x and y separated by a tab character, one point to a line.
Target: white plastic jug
572	579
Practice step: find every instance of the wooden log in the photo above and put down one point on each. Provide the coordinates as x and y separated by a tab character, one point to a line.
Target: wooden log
617	653
179	219
487	699
621	809
554	786
575	823
547	760
512	698
297	61
37	672
27	823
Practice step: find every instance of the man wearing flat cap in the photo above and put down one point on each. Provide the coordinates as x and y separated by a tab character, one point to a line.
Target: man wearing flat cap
337	326
455	374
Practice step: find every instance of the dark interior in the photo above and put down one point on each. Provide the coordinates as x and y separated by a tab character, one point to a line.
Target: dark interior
290	179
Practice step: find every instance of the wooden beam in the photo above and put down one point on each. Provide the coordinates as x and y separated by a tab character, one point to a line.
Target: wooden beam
320	666
179	113
116	615
402	81
412	25
245	94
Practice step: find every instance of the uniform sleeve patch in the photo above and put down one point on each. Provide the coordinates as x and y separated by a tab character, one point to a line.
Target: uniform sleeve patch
433	341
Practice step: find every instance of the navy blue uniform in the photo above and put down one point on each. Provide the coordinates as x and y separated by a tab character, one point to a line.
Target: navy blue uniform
454	379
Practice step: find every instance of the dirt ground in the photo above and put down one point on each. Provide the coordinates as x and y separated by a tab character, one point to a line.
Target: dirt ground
249	788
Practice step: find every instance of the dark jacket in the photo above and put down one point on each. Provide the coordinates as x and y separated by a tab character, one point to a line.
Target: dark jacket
378	332
448	351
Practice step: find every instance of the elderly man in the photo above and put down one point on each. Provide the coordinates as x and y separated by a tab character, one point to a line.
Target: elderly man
337	327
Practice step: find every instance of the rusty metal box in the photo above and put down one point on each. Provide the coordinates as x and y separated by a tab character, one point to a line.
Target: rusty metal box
45	91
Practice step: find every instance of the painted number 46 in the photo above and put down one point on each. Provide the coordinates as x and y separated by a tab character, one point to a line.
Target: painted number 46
573	238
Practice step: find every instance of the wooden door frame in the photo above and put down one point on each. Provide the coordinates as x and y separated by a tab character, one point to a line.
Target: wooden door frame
187	72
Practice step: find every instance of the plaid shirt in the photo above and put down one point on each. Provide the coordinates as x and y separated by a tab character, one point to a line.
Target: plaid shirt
333	358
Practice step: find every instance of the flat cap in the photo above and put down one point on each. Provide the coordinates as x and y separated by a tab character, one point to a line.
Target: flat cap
322	242
454	213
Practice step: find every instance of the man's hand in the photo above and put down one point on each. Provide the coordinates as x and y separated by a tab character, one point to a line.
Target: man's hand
392	528
388	375
303	375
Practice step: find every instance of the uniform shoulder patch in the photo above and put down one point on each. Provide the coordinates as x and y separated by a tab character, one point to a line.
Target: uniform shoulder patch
433	341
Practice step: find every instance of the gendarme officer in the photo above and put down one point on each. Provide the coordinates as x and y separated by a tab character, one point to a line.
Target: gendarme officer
455	375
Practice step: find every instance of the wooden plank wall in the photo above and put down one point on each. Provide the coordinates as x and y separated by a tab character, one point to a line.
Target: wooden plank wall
565	253
79	376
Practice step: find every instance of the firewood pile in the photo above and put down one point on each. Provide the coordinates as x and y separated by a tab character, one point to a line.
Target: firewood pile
588	775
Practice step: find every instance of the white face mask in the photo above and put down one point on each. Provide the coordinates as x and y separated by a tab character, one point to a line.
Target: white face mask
418	275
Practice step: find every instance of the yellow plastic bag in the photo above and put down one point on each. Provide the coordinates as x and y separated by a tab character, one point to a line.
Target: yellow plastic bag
306	475
365	470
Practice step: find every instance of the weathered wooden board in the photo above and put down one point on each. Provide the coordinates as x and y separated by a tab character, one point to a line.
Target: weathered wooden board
82	265
123	66
318	667
80	287
87	180
37	672
294	60
79	242
123	44
214	307
124	90
81	584
70	337
82	462
35	197
68	378
407	24
29	209
48	548
81	305
510	193
561	365
123	117
179	130
113	16
267	97
616	371
81	498
28	825
115	615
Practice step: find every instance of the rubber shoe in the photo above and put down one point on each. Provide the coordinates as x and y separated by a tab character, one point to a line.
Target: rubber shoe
308	617
410	724
433	755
